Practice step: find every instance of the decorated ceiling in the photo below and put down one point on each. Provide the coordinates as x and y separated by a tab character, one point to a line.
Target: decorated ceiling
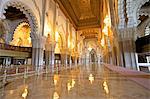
84	13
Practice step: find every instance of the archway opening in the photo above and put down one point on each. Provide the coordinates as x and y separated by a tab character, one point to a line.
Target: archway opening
17	36
93	56
21	36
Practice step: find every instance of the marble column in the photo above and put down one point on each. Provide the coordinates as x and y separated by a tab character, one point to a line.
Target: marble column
70	60
76	59
99	59
80	60
38	52
49	54
64	56
128	48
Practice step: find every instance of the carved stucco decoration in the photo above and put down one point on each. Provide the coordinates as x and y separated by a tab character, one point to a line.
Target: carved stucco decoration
132	9
25	9
121	13
89	33
138	6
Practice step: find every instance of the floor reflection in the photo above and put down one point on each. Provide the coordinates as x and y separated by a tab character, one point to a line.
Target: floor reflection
91	78
25	93
85	82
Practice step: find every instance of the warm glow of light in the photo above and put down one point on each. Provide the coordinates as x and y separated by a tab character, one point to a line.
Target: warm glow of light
29	39
105	30
106	87
56	78
11	91
103	42
58	42
69	45
91	78
89	48
25	93
47	29
107	21
71	84
72	44
21	36
56	36
55	95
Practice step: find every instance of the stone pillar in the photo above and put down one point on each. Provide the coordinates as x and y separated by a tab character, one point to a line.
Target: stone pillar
66	60
70	60
82	60
76	58
79	61
64	56
53	54
49	54
38	52
99	59
128	48
47	58
50	50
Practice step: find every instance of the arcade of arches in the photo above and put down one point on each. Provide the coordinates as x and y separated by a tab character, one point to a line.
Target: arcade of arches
49	33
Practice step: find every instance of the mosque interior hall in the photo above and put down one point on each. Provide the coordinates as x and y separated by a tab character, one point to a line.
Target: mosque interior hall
74	49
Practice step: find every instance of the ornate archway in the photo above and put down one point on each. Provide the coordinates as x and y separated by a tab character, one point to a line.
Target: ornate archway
93	56
28	13
21	35
137	10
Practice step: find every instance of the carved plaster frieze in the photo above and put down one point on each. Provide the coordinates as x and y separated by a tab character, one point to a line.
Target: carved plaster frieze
121	12
132	9
138	6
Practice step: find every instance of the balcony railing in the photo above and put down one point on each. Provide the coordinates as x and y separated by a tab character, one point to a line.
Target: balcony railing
10	73
15	48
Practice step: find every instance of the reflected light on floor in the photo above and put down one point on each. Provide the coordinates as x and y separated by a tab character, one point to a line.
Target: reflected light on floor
106	87
56	78
68	86
91	78
71	84
55	95
25	93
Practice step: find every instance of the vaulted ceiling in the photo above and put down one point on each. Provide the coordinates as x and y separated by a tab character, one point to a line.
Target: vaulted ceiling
83	13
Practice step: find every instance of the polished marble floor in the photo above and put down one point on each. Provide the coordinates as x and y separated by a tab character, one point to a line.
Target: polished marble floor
84	82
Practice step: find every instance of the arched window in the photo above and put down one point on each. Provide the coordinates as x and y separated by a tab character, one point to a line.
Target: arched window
147	30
